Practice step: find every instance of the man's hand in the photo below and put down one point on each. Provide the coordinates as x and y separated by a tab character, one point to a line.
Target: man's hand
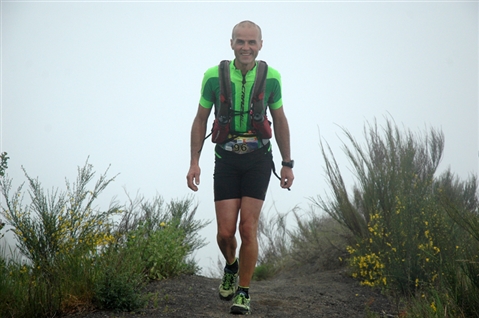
193	177
287	177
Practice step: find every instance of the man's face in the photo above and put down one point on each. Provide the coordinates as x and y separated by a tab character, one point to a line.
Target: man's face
246	44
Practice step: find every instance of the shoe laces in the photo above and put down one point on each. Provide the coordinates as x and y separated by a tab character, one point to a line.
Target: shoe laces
228	280
240	298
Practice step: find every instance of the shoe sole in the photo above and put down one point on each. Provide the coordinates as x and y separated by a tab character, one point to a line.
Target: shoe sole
236	310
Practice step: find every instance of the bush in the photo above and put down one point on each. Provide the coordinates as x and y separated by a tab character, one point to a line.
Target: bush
319	240
56	233
264	272
119	281
405	238
273	244
3	163
74	257
166	235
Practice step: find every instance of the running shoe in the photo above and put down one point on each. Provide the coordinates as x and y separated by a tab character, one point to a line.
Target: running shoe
240	304
227	288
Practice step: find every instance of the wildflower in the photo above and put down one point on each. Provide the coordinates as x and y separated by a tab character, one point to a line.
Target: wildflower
162	224
433	306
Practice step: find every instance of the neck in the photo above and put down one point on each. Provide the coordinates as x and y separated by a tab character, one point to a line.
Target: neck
244	68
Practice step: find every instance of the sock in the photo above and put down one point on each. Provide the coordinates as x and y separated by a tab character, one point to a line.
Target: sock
232	267
245	290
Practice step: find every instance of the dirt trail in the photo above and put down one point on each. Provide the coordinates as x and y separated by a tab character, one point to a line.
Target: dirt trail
295	293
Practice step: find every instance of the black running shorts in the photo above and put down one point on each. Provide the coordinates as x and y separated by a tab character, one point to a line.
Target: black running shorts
242	175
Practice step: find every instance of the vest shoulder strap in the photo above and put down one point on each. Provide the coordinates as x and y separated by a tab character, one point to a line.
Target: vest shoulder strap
259	89
225	103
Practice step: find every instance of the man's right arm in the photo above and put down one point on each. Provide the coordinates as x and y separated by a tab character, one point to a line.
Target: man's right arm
198	132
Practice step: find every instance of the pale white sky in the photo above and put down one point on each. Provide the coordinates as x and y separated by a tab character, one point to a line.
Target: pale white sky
119	82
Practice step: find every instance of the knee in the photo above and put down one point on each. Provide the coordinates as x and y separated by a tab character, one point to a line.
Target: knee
248	232
226	234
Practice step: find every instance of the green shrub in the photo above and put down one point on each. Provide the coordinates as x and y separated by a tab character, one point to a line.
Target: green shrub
263	272
319	240
73	257
405	237
119	281
3	163
50	231
274	246
166	235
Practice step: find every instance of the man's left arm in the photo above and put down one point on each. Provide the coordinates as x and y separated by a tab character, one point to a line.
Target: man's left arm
281	133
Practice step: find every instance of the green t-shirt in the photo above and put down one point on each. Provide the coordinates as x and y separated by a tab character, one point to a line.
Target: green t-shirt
210	92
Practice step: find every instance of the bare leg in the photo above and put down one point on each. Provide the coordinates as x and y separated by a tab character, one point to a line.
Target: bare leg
248	228
226	217
227	212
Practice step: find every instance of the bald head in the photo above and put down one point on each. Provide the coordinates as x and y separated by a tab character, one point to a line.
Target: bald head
246	24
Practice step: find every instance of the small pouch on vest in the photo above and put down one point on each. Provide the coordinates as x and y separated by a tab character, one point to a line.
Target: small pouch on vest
263	127
220	131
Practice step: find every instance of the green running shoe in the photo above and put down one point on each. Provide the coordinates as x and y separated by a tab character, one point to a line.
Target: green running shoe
240	304
227	288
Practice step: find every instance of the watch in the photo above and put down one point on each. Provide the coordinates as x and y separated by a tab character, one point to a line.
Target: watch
289	164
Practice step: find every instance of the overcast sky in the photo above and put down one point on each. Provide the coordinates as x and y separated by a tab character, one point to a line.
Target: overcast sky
119	82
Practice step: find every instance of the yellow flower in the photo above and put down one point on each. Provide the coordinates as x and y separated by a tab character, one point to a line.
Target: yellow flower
433	306
162	224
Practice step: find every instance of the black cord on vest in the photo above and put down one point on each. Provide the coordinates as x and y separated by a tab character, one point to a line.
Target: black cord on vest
274	171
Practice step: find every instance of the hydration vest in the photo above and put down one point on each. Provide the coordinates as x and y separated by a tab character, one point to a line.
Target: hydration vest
223	130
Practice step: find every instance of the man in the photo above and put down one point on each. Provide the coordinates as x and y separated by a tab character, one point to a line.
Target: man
242	165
